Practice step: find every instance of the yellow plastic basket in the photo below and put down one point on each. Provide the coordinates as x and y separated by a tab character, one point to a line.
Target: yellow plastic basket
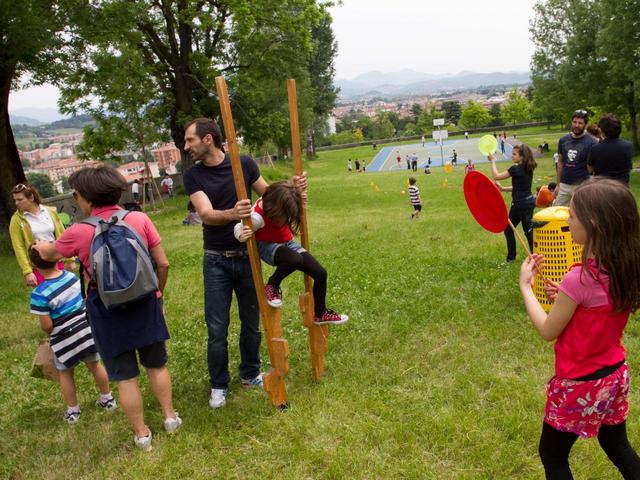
551	238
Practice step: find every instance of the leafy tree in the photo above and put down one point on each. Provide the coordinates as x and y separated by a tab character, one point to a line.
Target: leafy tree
416	110
516	109
324	48
181	46
42	183
567	71
342	138
382	126
618	45
452	111
28	42
366	125
496	114
410	129
474	115
357	135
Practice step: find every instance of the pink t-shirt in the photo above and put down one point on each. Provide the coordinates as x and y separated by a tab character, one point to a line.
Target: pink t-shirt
593	337
583	289
76	240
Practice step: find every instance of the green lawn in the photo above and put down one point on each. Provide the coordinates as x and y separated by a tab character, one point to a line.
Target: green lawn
438	374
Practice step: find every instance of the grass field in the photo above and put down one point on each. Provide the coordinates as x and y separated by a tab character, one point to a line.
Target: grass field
438	374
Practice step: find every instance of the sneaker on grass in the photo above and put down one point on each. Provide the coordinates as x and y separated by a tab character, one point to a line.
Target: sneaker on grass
218	397
274	295
172	424
143	443
253	382
71	416
329	317
107	405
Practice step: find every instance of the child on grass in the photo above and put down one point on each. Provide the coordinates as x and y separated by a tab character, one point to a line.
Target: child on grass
414	197
59	304
275	217
587	397
545	196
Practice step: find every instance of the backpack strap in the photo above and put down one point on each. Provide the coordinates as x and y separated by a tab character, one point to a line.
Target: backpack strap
93	221
120	214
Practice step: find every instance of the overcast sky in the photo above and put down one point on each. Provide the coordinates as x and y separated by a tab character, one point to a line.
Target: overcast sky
432	36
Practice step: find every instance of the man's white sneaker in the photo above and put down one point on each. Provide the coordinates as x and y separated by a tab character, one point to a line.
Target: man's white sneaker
172	424
143	443
218	397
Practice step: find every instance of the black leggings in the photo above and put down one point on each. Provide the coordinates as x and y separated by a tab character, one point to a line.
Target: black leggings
287	261
555	447
519	213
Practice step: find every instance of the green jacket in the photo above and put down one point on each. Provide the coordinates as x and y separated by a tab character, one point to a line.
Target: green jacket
22	237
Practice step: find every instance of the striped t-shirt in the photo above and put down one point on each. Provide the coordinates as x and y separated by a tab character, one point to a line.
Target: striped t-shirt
414	195
61	299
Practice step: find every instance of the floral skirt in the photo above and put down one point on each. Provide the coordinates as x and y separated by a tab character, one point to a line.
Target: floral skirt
582	407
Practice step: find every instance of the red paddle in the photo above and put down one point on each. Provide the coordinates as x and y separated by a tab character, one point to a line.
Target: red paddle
487	205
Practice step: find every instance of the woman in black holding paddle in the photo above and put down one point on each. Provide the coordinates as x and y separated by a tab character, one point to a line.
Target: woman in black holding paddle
522	200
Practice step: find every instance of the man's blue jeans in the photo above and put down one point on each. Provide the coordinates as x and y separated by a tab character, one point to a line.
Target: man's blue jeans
222	276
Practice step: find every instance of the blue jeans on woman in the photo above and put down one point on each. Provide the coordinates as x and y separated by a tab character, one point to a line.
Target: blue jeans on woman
222	276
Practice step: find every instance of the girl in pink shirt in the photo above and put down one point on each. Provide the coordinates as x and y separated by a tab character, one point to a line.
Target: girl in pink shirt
587	397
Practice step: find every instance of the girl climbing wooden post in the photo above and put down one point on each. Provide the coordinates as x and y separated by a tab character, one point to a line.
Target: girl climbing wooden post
317	333
277	346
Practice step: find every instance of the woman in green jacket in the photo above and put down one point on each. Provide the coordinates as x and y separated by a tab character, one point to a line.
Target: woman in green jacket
32	221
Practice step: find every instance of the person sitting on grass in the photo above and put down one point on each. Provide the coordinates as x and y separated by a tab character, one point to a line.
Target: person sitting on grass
275	217
58	302
414	197
192	215
588	396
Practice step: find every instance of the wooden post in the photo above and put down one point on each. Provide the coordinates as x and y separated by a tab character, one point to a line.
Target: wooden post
278	347
317	333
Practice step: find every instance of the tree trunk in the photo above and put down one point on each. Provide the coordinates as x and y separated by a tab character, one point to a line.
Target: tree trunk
311	143
10	166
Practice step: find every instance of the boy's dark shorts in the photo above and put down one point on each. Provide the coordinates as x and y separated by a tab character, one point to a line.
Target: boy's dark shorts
417	208
125	365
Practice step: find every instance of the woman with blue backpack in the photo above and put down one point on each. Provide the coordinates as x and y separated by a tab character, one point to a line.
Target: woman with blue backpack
127	271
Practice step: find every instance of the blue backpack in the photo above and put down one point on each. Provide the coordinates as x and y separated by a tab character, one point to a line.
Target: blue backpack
121	266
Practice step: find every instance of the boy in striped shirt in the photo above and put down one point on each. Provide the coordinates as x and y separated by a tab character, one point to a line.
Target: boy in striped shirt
59	304
414	197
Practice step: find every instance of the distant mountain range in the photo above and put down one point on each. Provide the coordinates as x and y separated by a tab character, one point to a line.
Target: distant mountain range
34	117
409	82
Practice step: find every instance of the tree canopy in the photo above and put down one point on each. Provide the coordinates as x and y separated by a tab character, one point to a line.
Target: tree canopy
28	42
586	53
474	115
165	56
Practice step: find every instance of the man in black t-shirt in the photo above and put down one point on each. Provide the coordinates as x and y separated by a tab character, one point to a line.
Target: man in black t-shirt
573	153
612	157
226	267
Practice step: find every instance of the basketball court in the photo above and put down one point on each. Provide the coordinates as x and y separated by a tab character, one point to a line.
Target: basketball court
386	159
